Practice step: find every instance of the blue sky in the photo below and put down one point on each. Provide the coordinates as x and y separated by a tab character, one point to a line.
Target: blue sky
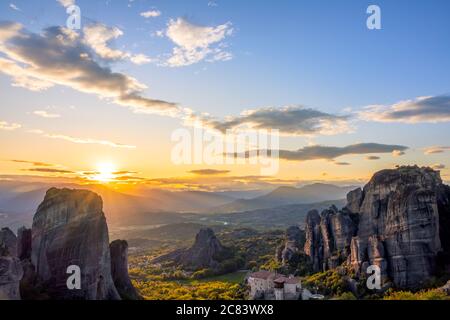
317	54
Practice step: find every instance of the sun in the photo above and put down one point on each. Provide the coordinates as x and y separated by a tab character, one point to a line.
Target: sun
105	172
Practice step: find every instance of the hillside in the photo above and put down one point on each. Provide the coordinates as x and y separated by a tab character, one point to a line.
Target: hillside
282	196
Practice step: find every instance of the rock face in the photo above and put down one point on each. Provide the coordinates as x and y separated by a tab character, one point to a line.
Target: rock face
313	243
119	270
69	228
10	268
292	245
8	243
399	221
24	243
328	237
206	252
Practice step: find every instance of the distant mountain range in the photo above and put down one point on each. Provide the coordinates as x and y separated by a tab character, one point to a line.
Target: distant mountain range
143	205
282	196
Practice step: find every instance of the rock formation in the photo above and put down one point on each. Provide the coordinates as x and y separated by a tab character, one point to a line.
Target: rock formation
328	237
8	243
206	252
292	245
119	270
24	243
10	269
399	221
69	228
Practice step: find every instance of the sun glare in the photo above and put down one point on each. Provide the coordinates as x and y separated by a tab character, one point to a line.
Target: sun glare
105	172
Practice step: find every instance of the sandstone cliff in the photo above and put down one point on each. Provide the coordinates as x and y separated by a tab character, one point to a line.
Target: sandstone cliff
206	252
69	228
10	269
119	270
292	246
399	221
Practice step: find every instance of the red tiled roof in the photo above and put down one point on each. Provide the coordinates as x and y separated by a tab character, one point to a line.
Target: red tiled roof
287	280
263	274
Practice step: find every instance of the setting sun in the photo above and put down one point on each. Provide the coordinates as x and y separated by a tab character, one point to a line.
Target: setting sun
105	172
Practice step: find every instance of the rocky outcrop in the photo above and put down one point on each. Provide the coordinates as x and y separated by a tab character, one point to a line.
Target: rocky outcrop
10	268
313	243
8	243
24	243
69	228
292	246
119	270
206	252
399	221
328	237
354	200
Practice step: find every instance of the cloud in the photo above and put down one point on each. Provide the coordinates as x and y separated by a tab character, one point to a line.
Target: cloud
48	170
124	172
59	56
195	43
9	126
422	109
151	14
66	3
318	152
436	149
140	59
438	166
372	158
128	178
342	163
34	163
99	37
208	172
288	120
397	153
14	7
45	114
82	140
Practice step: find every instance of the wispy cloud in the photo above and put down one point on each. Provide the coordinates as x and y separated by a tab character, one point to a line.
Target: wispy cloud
48	170
398	153
318	152
9	126
66	3
14	7
209	172
82	140
436	149
99	37
33	163
342	163
61	56
195	43
151	14
288	120
372	158
45	114
422	109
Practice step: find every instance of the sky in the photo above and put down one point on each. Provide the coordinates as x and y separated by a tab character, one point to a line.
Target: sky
103	102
